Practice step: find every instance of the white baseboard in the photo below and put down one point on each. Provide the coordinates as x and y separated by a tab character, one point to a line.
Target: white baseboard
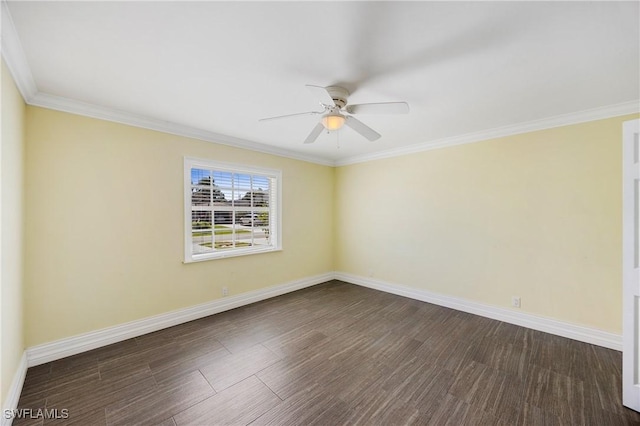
547	325
11	401
58	349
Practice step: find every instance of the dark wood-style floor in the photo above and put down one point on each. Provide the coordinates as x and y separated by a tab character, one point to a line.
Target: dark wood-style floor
335	354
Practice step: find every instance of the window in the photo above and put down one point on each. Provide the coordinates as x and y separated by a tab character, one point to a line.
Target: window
230	210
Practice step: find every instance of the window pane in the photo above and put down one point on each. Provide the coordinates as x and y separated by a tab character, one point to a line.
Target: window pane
218	196
223	230
200	187
222	179
244	217
261	236
260	198
244	199
223	217
242	182
202	241
261	219
200	177
260	183
243	237
200	220
200	196
261	189
223	191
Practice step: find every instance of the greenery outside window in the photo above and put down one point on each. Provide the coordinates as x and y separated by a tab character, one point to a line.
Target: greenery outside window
230	210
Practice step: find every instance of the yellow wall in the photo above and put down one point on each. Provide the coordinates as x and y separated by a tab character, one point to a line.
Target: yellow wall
104	240
11	229
535	215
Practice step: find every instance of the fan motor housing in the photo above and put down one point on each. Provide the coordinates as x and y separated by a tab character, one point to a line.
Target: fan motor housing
339	95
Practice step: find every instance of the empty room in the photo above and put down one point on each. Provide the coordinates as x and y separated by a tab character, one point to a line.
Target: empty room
331	213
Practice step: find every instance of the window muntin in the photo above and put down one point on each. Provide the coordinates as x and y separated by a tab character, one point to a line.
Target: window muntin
230	210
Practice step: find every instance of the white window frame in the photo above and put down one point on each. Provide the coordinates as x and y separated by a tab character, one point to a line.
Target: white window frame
275	216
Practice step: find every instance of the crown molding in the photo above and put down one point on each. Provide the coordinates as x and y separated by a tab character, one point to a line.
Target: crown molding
14	56
17	64
110	114
81	108
600	113
16	61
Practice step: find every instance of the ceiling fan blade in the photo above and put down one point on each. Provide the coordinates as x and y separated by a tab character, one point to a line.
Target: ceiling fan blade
361	128
379	108
314	133
291	115
321	94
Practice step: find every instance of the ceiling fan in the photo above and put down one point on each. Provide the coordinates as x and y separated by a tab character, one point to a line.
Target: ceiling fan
337	112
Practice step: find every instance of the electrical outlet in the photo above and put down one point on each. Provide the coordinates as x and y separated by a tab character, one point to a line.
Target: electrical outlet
515	301
225	291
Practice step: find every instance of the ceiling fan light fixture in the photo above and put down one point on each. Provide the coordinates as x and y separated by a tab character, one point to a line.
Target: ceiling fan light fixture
333	121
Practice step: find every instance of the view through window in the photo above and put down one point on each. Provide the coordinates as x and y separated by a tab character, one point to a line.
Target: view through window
232	210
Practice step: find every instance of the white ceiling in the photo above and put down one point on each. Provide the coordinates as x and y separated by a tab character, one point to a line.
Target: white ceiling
463	67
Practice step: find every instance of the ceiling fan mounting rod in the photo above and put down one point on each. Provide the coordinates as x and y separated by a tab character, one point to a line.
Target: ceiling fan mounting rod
339	95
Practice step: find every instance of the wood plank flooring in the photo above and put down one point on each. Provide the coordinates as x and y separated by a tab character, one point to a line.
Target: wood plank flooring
334	354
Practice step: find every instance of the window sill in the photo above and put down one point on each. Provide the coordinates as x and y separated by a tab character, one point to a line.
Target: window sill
233	253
